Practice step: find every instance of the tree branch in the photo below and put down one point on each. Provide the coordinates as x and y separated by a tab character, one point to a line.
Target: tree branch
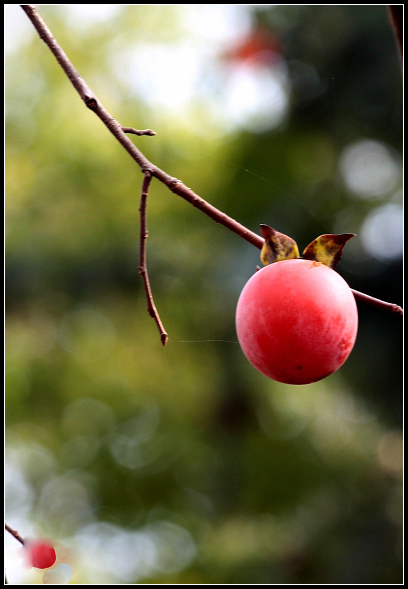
116	129
396	13
14	533
151	308
145	165
378	303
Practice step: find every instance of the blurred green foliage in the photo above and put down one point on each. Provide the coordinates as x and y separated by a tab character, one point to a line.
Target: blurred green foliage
182	464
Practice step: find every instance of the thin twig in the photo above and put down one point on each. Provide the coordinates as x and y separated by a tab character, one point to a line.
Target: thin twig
175	185
142	269
149	132
13	532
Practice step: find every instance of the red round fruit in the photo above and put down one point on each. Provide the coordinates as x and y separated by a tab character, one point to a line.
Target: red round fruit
41	554
296	321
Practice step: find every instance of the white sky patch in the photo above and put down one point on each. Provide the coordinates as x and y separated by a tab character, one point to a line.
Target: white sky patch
188	79
162	75
177	78
89	15
222	24
256	98
18	30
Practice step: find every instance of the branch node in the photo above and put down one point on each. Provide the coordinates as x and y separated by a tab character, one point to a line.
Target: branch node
148	172
138	132
172	183
90	102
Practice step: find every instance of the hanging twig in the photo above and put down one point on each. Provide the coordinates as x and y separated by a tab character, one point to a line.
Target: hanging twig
175	185
151	308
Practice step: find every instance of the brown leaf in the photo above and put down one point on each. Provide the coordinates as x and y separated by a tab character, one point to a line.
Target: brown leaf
327	249
277	246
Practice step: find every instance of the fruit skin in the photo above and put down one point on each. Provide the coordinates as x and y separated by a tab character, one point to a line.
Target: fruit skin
296	321
41	554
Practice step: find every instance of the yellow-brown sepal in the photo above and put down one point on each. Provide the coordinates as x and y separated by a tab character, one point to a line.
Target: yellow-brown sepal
277	246
327	249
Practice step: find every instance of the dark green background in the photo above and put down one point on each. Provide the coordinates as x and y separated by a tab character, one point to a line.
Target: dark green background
236	478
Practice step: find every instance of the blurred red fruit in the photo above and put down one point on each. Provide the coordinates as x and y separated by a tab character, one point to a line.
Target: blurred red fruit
260	46
41	554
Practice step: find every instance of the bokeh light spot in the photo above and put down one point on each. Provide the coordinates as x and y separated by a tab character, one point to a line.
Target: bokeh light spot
391	451
369	168
382	232
60	575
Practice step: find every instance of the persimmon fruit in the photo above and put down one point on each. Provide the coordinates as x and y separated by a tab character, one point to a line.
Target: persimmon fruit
296	321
